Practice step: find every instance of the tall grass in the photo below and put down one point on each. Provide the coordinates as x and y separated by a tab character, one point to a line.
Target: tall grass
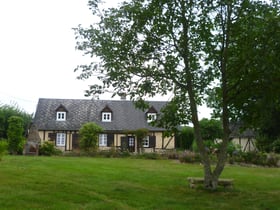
111	183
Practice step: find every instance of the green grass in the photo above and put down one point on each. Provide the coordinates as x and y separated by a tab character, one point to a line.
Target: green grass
100	183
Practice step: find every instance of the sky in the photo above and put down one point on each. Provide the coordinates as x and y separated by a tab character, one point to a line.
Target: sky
37	51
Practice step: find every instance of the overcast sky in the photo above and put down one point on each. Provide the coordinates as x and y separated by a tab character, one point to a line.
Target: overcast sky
37	51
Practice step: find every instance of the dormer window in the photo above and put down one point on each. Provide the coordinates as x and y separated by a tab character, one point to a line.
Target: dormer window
151	114
151	117
106	114
60	116
61	112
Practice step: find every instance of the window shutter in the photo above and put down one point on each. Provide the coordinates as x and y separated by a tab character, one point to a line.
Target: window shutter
110	139
52	136
152	141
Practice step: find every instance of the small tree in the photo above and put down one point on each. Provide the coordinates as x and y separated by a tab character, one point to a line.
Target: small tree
7	111
185	138
15	134
89	136
140	135
211	129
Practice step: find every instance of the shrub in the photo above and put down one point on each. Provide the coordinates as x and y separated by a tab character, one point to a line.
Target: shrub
89	133
174	155
111	153
150	156
233	149
15	134
272	160
48	149
276	146
264	143
189	157
3	147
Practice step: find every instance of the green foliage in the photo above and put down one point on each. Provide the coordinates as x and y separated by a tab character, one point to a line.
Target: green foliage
264	143
15	134
253	66
276	146
184	138
140	133
211	129
156	47
3	147
256	158
89	133
194	146
7	111
48	149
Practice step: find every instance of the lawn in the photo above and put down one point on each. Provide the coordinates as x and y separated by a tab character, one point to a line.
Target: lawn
100	183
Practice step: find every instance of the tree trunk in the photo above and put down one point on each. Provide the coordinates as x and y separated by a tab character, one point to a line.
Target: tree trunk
210	180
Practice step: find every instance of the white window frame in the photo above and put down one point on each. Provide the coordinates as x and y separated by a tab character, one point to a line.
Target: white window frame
146	142
103	140
60	139
106	116
151	117
60	116
131	141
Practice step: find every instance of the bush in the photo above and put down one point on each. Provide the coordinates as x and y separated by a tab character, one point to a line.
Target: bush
48	149
89	133
111	153
3	147
276	146
272	160
174	155
150	156
264	144
256	158
189	157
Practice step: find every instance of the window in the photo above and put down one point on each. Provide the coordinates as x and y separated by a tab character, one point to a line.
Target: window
60	139
151	117
60	116
102	140
146	142
131	141
106	116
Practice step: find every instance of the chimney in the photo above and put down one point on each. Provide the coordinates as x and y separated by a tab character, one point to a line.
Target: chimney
122	95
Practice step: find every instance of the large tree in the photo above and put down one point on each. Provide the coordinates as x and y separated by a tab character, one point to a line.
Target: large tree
154	47
253	69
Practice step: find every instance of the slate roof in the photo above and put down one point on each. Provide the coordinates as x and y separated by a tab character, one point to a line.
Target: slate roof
237	132
79	111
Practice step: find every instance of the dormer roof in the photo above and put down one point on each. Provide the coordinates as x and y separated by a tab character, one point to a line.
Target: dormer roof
152	110
106	109
61	108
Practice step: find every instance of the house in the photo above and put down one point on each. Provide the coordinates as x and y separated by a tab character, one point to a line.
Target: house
59	121
246	138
